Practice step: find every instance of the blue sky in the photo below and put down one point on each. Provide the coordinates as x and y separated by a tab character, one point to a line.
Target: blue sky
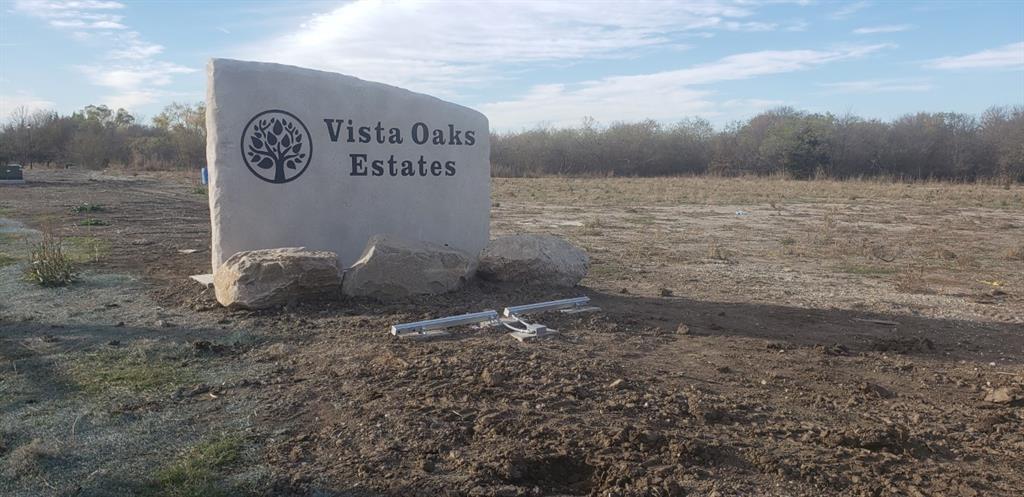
531	62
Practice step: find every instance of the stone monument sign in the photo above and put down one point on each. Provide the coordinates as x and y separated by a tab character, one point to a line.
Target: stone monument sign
305	158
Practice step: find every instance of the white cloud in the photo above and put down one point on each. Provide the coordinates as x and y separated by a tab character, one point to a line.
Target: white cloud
81	14
1006	56
666	95
878	86
849	9
11	101
128	65
750	26
888	28
439	47
129	78
131	46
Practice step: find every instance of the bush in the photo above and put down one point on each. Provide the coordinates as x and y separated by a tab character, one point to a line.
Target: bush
48	265
87	207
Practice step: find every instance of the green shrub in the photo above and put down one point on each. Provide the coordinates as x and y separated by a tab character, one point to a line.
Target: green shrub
93	222
48	265
87	207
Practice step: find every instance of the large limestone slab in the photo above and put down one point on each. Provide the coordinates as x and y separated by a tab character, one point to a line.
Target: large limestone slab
299	157
391	268
259	279
533	260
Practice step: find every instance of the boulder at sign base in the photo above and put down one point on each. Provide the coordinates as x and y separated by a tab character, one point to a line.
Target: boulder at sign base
533	260
257	279
392	268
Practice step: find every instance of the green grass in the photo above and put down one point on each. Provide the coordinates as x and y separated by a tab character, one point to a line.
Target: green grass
200	471
93	222
133	372
7	260
86	248
87	207
199	190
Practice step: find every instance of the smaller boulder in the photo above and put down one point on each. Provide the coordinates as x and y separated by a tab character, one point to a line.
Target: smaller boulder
258	279
391	268
1003	395
533	260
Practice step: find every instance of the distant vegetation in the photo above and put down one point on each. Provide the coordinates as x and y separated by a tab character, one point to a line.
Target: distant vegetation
781	141
97	137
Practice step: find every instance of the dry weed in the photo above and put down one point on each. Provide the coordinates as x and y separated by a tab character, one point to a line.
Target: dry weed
912	280
1015	253
27	459
717	252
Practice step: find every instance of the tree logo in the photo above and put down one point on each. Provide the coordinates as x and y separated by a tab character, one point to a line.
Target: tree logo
276	146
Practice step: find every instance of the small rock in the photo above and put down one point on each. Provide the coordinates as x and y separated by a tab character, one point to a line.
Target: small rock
120	324
199	389
617	384
493	379
682	329
1003	395
280	350
666	292
877	390
836	350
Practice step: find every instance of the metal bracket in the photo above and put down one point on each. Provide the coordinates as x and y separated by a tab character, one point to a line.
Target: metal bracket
528	331
533	331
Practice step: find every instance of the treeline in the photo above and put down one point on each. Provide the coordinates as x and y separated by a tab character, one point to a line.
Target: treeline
781	141
97	137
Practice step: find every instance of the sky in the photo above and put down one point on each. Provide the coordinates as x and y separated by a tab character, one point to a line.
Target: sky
531	63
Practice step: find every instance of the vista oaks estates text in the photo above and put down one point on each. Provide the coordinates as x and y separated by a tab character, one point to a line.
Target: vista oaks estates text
419	133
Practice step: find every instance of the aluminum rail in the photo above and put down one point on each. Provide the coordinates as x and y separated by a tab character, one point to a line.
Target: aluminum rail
520	310
419	327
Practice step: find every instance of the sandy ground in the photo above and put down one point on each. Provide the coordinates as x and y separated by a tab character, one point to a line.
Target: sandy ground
757	337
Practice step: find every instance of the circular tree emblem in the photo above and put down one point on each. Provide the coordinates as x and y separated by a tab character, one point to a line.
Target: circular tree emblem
276	146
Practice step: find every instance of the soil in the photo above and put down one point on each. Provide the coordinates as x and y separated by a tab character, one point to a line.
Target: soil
816	344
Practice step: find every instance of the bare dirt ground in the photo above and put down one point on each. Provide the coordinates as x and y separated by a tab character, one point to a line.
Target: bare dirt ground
758	337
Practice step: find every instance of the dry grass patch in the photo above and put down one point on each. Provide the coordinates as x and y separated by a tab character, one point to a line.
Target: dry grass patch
866	270
710	190
717	252
48	265
1015	253
27	459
